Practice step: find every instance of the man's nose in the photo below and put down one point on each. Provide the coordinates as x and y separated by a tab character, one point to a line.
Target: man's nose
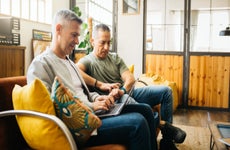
76	40
106	46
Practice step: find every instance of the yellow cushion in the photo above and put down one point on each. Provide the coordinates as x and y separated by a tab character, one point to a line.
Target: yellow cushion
39	133
131	68
159	80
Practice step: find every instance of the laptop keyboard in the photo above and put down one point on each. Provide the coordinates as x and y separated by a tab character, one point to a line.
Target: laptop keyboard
114	108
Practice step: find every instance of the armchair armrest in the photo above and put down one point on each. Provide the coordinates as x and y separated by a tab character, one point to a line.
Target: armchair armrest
45	116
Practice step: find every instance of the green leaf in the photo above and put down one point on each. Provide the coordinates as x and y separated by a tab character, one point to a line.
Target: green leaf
88	50
77	11
82	45
79	14
84	26
77	8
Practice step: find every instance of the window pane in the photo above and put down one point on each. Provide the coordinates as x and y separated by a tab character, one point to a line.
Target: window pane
174	12
25	9
157	37
164	25
200	31
219	43
5	7
174	38
208	19
41	11
220	20
102	12
33	10
15	8
48	11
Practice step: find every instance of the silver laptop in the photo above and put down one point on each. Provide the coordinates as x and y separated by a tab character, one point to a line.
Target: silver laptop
117	108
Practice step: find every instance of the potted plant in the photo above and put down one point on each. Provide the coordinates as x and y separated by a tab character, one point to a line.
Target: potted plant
85	43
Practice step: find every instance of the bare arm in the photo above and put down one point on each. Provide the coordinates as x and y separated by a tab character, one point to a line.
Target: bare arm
90	81
128	80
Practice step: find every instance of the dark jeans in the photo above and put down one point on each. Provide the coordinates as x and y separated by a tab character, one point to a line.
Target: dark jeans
154	95
134	127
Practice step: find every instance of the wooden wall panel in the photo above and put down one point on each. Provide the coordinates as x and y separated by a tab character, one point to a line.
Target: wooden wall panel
168	66
209	81
209	77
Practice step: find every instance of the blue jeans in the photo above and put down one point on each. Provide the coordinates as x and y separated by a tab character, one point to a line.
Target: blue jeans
134	127
154	95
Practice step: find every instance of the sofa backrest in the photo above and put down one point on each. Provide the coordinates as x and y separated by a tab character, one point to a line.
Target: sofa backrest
10	135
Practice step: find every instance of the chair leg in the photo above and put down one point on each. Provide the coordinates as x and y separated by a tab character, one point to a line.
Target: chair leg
212	143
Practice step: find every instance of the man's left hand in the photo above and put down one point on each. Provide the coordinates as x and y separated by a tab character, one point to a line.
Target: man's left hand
116	93
109	86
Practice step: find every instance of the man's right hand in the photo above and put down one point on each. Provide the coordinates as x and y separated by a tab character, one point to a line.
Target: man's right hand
103	102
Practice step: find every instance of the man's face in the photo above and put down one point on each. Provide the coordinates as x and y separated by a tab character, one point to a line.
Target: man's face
68	37
101	44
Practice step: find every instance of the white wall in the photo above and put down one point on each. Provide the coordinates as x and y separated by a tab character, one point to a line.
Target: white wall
130	38
26	37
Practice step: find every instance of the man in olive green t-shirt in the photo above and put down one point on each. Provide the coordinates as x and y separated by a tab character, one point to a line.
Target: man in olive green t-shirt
107	72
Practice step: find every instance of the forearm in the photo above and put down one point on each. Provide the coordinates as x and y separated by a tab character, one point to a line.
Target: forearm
128	83
90	81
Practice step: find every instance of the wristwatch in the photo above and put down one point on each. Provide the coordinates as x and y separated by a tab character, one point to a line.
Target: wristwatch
123	89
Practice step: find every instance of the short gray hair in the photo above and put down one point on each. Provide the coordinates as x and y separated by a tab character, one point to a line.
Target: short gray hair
63	16
101	27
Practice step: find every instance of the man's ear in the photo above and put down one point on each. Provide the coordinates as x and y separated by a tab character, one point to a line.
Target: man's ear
58	28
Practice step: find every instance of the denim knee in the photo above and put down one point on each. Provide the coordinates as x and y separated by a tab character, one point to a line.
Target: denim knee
130	129
146	111
140	137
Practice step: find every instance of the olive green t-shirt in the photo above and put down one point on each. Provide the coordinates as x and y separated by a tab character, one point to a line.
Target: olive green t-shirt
108	70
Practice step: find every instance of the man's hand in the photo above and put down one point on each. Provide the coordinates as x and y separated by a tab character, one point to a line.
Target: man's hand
108	86
116	93
103	102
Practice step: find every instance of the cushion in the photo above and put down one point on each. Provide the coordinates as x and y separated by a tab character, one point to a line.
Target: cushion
152	79
131	68
39	133
78	117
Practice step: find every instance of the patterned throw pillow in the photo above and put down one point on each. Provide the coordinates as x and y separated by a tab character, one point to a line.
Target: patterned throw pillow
78	117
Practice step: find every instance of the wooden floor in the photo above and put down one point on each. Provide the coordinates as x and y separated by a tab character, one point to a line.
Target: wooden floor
200	118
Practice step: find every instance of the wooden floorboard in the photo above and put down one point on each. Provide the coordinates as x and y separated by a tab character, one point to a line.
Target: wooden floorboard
199	118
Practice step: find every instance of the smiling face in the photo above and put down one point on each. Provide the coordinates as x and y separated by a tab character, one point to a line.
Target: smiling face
67	38
101	44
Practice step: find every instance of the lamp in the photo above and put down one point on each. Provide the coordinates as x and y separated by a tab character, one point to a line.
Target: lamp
225	32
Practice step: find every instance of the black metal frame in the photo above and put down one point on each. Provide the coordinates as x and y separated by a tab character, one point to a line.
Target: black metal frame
144	35
164	53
